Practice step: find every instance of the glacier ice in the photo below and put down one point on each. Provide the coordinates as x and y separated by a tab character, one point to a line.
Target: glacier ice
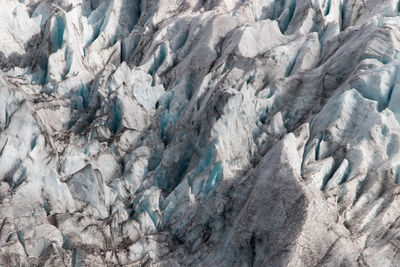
194	133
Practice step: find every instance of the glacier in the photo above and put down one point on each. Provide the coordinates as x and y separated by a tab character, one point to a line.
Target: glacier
199	133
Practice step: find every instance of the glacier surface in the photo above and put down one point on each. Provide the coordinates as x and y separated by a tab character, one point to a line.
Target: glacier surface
199	133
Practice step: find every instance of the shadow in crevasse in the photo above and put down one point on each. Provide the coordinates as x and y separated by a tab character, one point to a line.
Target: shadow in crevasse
20	60
130	14
206	5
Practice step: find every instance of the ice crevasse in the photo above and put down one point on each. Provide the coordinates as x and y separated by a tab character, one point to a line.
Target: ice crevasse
195	133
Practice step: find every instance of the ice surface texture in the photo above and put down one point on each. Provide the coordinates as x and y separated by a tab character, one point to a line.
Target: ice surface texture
199	133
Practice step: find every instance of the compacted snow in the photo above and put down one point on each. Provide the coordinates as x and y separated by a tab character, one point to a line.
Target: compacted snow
199	133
